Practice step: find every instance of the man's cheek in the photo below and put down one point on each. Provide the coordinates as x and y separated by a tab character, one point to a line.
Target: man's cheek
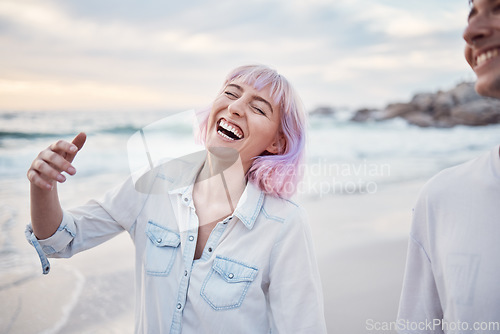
468	56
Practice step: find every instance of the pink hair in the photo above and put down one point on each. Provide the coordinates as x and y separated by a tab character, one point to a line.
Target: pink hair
275	174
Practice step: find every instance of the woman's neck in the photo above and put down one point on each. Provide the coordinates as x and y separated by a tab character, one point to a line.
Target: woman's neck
221	182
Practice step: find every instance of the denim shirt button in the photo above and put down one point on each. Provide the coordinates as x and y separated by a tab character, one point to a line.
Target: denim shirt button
185	272
230	275
191	238
179	306
158	240
210	249
186	199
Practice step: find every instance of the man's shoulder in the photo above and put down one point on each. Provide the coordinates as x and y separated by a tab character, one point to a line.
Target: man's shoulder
459	177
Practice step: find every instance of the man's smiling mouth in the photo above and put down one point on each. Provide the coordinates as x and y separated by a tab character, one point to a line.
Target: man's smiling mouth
229	131
485	56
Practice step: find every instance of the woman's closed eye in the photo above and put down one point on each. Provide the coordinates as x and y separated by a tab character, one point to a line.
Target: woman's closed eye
259	110
231	94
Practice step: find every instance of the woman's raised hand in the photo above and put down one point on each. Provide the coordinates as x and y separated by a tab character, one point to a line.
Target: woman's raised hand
48	166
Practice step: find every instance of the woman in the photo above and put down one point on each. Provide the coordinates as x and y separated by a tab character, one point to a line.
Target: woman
218	247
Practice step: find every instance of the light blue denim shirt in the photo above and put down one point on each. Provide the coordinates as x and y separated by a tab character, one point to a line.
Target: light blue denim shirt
257	274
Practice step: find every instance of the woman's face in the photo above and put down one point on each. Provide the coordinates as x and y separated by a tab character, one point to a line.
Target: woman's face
245	119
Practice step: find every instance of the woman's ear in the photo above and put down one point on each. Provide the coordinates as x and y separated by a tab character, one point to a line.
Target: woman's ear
278	145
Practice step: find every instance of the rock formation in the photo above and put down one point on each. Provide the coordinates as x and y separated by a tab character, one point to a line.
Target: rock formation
460	105
322	111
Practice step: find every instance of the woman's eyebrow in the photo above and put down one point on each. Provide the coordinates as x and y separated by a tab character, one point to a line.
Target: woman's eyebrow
259	98
255	97
235	86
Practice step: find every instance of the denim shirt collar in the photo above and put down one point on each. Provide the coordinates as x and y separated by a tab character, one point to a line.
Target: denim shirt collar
249	205
181	175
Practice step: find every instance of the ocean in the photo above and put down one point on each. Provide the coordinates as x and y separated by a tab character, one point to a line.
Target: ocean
343	157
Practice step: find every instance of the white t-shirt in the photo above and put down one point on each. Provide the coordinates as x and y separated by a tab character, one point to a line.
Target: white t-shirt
452	279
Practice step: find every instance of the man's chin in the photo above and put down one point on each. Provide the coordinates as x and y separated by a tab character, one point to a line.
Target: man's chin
489	88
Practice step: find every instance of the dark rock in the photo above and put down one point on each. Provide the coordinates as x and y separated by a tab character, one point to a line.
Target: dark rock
419	118
322	111
363	115
423	101
464	93
460	105
395	110
443	101
478	112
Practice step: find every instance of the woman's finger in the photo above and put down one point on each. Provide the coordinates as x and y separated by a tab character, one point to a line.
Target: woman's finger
47	171
78	142
63	148
56	161
48	165
35	178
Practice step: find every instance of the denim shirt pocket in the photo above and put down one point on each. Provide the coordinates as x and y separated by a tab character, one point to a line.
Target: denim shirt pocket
227	283
161	249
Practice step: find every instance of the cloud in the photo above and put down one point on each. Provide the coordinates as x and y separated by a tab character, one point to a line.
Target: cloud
152	50
51	95
407	21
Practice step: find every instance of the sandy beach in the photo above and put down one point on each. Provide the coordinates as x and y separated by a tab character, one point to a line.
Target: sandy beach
360	242
362	255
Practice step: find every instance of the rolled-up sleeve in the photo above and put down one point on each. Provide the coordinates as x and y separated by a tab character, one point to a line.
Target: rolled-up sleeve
295	293
91	224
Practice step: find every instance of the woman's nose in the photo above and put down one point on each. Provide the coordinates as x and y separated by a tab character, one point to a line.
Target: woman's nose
237	108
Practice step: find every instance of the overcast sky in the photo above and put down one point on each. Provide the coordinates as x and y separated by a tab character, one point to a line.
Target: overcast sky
160	54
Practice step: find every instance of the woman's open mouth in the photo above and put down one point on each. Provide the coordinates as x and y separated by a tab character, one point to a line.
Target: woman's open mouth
228	130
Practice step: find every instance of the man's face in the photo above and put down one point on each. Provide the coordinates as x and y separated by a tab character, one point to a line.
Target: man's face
482	50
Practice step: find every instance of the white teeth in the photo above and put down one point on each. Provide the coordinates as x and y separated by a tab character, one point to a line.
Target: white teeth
486	56
224	135
223	124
